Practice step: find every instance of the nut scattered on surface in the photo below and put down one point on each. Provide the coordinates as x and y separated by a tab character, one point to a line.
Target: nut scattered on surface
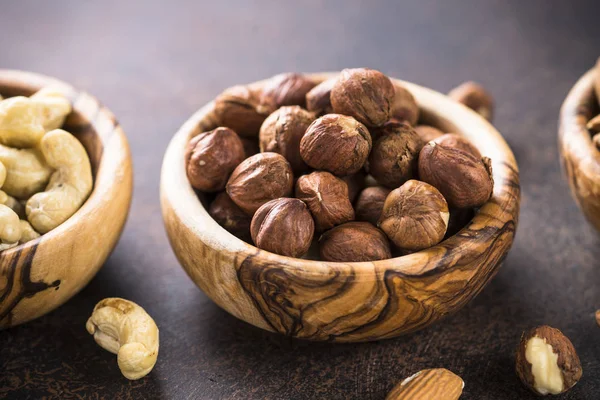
458	142
394	157
327	198
474	96
282	131
405	108
546	361
415	216
463	180
365	94
429	384
230	216
283	226
356	182
210	158
354	242
369	204
318	99
287	89
259	179
239	108
336	143
428	133
594	124
125	329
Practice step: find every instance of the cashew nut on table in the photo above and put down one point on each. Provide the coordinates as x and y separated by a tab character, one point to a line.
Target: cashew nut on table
125	329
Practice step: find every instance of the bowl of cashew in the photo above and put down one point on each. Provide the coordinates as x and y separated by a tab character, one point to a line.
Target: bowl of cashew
65	170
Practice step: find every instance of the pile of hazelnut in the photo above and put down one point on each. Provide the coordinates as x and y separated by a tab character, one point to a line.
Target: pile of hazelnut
343	161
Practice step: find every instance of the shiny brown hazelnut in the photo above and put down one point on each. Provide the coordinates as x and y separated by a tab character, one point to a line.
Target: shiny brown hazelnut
415	216
594	124
546	361
230	216
283	226
474	96
210	158
405	108
327	198
356	183
428	133
365	94
282	131
464	180
458	142
259	179
370	202
354	242
240	109
336	143
288	89
318	99
394	157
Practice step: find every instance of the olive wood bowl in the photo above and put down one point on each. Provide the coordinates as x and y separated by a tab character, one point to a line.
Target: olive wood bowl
579	156
345	302
38	276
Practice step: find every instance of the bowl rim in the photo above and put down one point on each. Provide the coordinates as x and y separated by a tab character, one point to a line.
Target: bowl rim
178	195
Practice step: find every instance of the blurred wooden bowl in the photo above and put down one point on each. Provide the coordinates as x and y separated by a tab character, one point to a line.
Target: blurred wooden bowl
345	302
579	156
39	276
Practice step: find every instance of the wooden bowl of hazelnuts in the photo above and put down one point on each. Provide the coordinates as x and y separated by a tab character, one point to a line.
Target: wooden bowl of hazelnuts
579	143
333	207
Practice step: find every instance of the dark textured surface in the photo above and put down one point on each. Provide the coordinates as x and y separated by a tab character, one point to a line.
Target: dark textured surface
153	64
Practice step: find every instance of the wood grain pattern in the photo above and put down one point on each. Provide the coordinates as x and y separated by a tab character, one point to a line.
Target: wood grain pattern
40	275
437	383
345	302
579	156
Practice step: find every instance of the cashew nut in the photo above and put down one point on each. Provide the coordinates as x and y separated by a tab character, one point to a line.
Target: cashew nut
26	171
10	228
69	185
27	232
12	203
55	107
125	329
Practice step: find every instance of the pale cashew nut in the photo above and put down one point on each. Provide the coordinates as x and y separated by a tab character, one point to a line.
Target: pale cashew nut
125	329
27	232
55	107
69	185
26	171
10	228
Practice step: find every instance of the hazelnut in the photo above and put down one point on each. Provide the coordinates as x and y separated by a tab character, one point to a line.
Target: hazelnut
240	109
370	203
230	216
428	133
259	179
458	142
465	181
326	197
394	157
336	143
475	97
282	131
283	226
365	94
210	158
287	89
405	108
546	361
318	99
250	146
594	124
415	216
354	242
356	183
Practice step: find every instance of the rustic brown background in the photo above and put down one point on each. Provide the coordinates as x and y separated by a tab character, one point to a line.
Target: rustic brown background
154	63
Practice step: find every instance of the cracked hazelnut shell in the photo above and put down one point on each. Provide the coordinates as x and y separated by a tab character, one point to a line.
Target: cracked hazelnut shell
336	143
326	197
210	158
230	216
365	94
369	204
283	226
354	242
318	99
458	142
405	108
282	131
240	109
259	179
474	96
415	216
287	89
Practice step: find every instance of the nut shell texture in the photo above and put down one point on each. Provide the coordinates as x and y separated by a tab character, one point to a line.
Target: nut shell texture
288	89
211	157
458	142
354	242
230	216
369	204
259	179
365	94
405	107
240	109
428	133
336	143
318	99
283	226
